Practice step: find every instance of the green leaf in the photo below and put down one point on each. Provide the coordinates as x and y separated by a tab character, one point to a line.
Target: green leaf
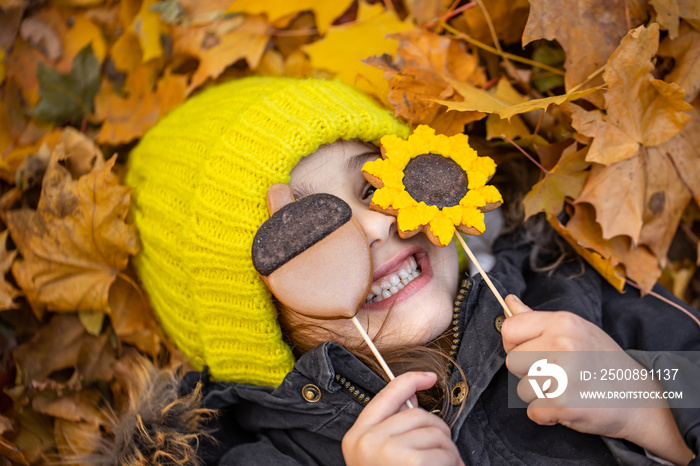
68	97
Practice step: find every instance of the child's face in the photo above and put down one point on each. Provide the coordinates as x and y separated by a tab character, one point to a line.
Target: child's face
421	278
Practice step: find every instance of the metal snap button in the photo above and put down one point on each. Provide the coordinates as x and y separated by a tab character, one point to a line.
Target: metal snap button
459	393
498	323
311	393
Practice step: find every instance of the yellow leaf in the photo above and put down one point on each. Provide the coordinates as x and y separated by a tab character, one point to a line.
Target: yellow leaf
147	26
81	33
640	109
126	52
326	12
476	99
344	47
220	44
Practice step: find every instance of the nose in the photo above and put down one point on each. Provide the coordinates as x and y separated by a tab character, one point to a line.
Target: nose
376	226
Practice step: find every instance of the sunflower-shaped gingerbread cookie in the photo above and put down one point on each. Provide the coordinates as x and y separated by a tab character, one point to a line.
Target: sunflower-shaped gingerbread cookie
432	183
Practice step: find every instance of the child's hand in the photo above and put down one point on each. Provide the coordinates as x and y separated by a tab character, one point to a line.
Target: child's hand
386	432
528	330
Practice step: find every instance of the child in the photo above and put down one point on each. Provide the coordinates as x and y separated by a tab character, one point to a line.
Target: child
290	389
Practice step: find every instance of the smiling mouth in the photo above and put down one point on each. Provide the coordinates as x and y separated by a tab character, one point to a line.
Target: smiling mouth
391	284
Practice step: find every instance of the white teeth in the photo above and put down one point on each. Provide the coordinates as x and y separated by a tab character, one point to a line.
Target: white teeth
394	282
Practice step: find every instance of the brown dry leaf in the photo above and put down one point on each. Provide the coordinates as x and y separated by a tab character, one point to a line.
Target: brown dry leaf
8	293
76	242
640	109
82	406
617	193
126	119
344	48
325	12
22	69
126	52
428	11
424	64
34	436
571	23
565	180
222	43
665	200
602	264
508	18
64	344
684	151
685	50
9	25
669	13
42	36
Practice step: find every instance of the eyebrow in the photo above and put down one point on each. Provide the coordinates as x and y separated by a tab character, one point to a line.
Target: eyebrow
352	165
356	162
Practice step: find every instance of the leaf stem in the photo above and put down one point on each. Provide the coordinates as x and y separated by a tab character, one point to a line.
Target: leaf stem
532	159
488	48
450	14
588	78
666	300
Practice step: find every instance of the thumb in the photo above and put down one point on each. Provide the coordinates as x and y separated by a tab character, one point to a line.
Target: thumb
515	305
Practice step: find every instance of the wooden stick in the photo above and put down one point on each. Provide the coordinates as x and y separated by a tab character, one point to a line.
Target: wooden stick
483	274
376	353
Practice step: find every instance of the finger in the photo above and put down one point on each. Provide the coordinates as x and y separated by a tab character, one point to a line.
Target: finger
413	419
390	399
426	438
522	357
515	305
523	327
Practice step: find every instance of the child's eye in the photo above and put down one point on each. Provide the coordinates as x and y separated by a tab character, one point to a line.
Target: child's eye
368	191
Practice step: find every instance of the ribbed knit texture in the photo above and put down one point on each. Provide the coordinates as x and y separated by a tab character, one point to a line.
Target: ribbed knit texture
201	176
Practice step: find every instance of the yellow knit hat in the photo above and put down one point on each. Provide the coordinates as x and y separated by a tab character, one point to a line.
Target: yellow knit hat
201	176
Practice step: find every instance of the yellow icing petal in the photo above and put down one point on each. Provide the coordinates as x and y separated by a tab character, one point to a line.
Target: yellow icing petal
474	218
384	197
473	198
443	228
490	194
454	213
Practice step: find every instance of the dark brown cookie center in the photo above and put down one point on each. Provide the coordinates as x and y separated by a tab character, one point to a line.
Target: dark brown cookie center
435	180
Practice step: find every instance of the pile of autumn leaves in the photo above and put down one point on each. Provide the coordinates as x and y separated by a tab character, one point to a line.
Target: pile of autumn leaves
609	112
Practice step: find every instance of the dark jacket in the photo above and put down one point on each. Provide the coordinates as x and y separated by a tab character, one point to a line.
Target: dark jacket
304	420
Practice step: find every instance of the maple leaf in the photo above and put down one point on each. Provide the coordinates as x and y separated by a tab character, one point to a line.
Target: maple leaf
640	109
508	18
147	27
685	51
76	242
476	99
125	119
325	12
425	62
571	23
565	180
68	97
221	43
344	47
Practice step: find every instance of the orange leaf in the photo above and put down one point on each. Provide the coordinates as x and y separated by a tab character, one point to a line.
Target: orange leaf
126	119
640	109
566	179
344	47
424	64
222	43
76	242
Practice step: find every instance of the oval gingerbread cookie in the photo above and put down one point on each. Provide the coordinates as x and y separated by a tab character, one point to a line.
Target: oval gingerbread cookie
313	255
